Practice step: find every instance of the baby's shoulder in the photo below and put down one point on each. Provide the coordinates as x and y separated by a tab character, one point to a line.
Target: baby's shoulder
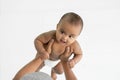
52	32
46	36
75	46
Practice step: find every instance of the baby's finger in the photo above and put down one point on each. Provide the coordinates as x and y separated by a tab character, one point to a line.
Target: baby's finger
50	45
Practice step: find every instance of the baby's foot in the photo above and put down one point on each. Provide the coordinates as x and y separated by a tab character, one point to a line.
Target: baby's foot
53	75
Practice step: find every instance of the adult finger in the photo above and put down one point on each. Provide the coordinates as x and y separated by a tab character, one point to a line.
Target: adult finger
67	52
49	46
65	56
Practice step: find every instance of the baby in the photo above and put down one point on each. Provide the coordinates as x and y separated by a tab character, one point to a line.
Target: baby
67	30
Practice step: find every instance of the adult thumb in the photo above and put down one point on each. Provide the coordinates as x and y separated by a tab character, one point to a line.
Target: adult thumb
50	45
67	52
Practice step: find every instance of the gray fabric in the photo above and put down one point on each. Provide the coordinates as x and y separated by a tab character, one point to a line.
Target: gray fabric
36	76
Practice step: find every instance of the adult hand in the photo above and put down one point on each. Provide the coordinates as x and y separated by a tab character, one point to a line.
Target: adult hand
48	48
65	63
34	65
71	63
46	54
65	56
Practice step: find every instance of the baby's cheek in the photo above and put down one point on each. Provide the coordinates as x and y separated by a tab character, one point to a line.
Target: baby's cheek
71	41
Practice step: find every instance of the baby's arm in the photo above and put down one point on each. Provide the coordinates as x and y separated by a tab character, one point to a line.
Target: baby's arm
77	54
42	40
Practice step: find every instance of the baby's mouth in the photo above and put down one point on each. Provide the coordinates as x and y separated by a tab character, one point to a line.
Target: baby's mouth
62	41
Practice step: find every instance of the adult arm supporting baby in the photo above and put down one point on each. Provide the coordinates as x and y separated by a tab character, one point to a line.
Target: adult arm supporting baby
33	65
67	70
41	41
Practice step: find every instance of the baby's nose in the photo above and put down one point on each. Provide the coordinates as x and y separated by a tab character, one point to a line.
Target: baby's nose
65	37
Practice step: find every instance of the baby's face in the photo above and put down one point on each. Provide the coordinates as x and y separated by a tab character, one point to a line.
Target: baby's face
66	33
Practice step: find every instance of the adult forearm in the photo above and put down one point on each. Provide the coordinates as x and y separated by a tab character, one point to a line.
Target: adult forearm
68	72
29	68
39	46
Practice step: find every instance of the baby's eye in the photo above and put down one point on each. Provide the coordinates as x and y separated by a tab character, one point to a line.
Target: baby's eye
62	32
70	36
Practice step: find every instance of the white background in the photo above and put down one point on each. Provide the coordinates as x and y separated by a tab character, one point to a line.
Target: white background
21	21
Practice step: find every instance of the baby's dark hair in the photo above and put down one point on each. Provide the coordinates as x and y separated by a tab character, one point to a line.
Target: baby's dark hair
71	18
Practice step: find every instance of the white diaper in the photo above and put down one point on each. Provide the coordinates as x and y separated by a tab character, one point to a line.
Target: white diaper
51	63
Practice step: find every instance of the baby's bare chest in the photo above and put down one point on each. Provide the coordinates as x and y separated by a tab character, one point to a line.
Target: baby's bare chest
57	50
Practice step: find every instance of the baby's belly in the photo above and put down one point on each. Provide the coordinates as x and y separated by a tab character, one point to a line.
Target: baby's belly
54	56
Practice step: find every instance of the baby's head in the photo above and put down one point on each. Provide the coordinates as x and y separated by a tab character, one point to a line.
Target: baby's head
69	28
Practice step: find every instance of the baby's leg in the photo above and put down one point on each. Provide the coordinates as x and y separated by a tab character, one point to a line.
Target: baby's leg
58	69
42	65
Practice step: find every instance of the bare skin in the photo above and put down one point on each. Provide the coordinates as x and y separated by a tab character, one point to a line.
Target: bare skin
69	75
34	64
65	35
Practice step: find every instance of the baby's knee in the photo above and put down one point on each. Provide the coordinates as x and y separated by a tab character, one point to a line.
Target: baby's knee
42	56
58	71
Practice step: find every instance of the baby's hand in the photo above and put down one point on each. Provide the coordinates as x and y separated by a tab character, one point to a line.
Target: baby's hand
71	63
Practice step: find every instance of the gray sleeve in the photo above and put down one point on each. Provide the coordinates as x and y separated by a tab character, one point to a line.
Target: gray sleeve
36	76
